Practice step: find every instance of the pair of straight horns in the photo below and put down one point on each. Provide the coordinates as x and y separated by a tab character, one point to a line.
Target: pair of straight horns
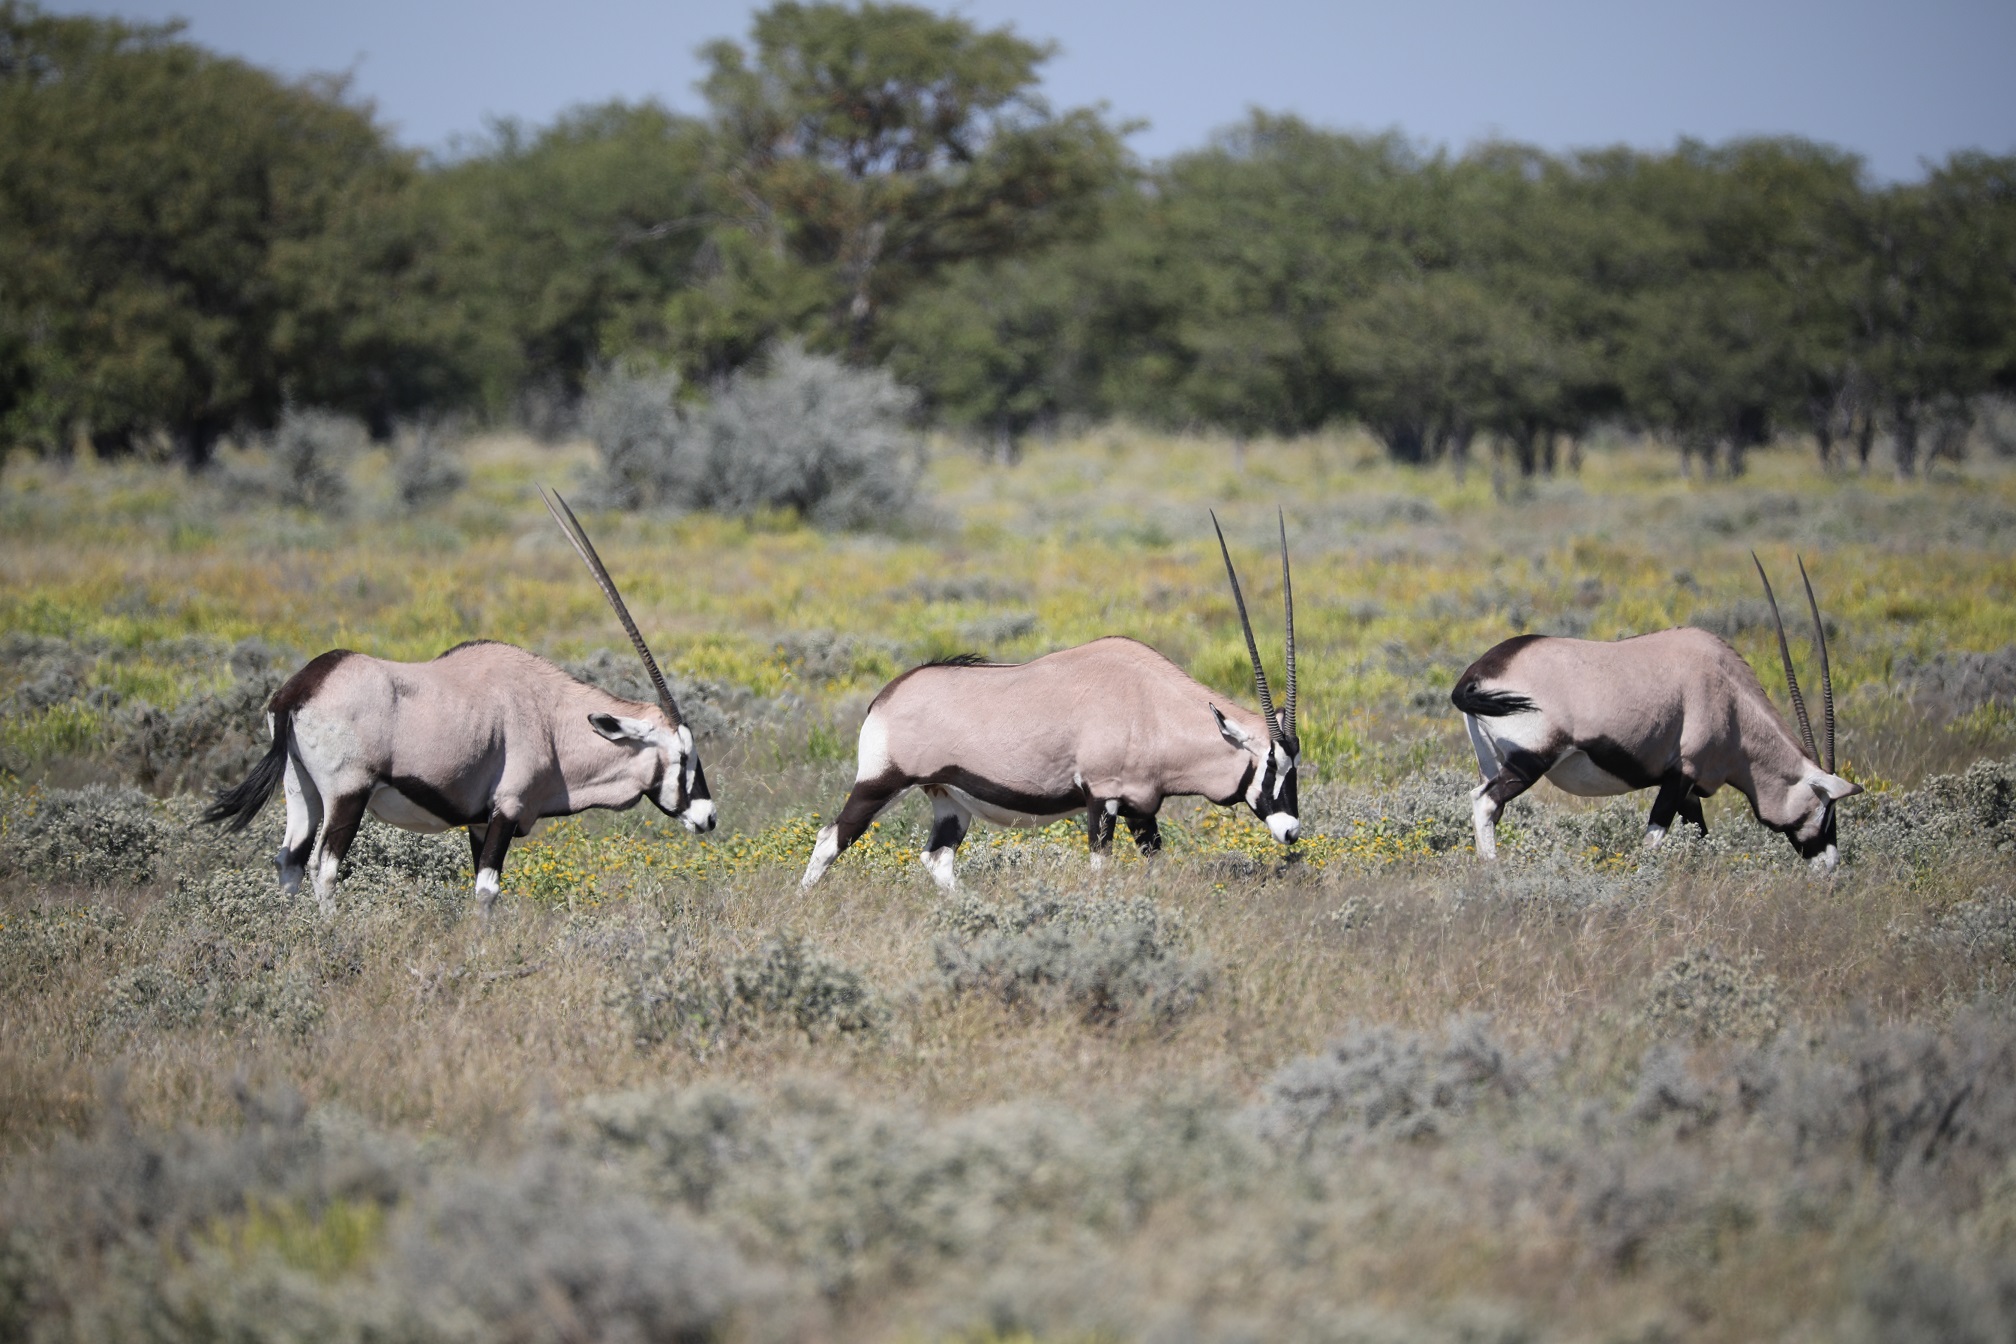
1280	726
1791	678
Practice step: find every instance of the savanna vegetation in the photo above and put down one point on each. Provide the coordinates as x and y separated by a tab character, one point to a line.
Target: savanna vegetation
1367	1089
1370	1090
888	185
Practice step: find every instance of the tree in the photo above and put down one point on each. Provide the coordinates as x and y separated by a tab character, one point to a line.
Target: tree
163	216
570	240
871	147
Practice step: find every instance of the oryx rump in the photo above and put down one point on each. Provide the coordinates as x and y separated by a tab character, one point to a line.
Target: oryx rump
486	736
1108	729
1678	710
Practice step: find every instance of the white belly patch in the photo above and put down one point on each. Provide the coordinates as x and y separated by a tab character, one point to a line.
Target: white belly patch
396	809
1001	816
1575	773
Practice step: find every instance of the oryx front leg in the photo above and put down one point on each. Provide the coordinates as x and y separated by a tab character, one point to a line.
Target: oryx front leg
497	837
949	823
1147	833
1099	818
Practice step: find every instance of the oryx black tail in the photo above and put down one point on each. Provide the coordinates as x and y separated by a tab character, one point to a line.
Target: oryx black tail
1489	704
235	808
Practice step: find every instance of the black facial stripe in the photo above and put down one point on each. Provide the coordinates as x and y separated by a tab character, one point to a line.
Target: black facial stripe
1238	795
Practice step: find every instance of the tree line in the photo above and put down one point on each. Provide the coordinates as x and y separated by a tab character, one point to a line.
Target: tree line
190	245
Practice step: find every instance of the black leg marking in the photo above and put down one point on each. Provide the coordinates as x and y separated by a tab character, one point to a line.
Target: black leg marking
1521	771
476	835
1672	792
947	832
1147	833
339	826
1690	810
1099	826
865	802
496	843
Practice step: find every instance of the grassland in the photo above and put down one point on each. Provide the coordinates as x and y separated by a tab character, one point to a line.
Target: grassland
1378	1092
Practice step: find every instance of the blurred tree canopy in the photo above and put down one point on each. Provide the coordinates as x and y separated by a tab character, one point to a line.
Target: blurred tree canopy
189	245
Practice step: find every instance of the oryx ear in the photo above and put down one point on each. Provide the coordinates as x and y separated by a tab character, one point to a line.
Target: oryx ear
1232	732
1833	787
618	729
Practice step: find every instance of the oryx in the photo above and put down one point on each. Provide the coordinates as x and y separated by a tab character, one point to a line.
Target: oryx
485	736
1109	728
1678	710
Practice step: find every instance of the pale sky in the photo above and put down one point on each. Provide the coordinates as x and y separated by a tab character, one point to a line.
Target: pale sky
1899	83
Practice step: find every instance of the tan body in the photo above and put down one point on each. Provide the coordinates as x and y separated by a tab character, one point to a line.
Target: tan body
485	736
1109	729
1678	710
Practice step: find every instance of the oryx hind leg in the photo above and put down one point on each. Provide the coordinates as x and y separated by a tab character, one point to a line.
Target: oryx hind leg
339	828
950	821
304	819
1520	771
867	800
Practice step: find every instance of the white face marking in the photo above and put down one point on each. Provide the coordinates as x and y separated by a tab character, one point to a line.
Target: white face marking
1285	827
699	815
872	755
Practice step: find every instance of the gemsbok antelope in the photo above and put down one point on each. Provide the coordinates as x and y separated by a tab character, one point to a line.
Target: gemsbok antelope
1109	729
1678	710
485	736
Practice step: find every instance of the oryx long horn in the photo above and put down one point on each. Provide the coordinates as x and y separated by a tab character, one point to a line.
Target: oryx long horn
1288	601
571	525
1826	674
1245	625
1785	655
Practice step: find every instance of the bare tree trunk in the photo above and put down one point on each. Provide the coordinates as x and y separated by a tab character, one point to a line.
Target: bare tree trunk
1865	441
1904	439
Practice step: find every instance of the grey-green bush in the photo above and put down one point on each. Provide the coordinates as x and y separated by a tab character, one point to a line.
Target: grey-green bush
806	434
1378	1083
95	836
638	427
787	982
425	470
1105	959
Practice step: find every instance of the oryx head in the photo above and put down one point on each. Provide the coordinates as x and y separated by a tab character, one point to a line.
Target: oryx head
1271	790
1810	799
678	784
